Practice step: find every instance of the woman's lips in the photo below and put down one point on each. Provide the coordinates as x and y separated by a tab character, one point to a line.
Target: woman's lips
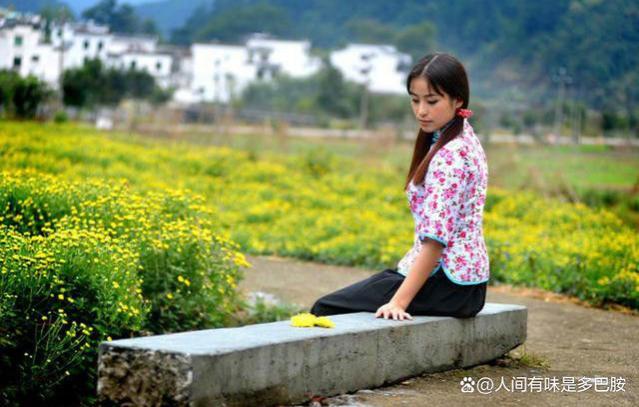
425	121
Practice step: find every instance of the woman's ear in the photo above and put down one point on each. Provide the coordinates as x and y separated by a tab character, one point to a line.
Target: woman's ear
458	103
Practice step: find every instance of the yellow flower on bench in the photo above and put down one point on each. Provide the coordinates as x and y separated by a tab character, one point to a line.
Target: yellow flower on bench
324	322
307	320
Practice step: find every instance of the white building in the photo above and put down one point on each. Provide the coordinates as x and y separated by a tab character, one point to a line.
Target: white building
134	43
220	71
284	56
25	48
81	41
381	66
206	72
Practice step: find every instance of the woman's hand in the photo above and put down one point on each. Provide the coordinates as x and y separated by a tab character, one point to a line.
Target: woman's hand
394	310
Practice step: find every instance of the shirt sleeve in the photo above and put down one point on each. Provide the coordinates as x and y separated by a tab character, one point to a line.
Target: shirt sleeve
444	186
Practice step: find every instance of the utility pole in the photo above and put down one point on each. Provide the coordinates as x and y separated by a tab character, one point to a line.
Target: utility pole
365	71
62	33
576	117
562	79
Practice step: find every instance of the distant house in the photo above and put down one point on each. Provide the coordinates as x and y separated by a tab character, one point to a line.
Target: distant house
222	71
26	48
143	53
286	56
211	72
382	67
78	42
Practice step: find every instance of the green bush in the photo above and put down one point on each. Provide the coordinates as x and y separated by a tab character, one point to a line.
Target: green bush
22	97
60	117
83	263
61	295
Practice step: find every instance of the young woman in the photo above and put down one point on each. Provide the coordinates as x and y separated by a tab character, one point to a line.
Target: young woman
446	271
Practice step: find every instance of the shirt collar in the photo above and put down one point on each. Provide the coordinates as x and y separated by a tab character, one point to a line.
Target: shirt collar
440	131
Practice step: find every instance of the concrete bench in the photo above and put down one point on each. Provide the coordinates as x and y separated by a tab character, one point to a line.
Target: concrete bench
271	363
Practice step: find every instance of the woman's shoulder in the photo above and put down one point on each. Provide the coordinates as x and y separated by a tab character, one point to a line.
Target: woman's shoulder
462	145
456	149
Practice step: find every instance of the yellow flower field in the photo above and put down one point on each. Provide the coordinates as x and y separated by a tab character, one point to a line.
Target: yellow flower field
337	210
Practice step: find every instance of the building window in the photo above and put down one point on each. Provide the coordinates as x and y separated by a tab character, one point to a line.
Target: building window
17	62
158	66
86	44
35	59
17	41
100	45
60	32
132	64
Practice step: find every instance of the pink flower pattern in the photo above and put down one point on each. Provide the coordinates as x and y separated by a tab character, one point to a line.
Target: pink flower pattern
448	207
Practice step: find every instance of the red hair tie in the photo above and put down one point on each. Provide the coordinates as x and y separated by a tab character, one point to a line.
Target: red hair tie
465	113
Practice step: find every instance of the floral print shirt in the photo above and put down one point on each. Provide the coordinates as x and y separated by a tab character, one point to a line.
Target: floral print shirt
448	207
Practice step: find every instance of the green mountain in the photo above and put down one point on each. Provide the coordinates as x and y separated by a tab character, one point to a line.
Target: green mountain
169	14
512	45
28	6
511	48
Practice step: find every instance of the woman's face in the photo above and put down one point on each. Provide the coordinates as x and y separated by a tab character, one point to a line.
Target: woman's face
431	109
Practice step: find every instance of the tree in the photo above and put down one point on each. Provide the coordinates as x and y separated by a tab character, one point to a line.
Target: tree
232	23
57	13
120	19
370	31
333	94
60	13
93	84
416	40
22	97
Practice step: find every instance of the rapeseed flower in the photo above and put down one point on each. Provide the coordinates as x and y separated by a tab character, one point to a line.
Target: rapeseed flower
307	320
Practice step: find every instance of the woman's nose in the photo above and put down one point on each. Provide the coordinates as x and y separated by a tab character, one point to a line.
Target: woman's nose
422	109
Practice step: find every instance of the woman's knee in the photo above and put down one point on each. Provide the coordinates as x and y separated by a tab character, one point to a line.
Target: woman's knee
319	308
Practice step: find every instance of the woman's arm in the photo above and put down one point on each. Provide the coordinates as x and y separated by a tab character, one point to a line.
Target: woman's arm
424	264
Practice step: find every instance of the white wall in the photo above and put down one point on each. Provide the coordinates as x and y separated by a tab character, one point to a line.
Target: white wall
24	43
381	61
121	43
290	57
158	65
219	70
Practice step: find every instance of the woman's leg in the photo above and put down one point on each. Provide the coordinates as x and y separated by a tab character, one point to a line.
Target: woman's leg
441	297
366	295
438	296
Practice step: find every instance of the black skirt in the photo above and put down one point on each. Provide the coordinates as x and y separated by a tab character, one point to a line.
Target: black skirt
439	296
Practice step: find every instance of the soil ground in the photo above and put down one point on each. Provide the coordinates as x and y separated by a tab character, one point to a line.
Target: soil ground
565	339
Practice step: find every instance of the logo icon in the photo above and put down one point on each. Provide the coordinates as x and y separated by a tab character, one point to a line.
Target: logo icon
467	385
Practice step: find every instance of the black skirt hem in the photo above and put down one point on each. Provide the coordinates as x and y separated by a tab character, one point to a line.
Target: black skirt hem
439	296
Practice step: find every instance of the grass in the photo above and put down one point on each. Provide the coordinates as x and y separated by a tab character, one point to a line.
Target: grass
596	175
520	357
261	312
582	166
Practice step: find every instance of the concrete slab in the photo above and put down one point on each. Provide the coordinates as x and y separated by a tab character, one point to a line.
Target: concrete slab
273	363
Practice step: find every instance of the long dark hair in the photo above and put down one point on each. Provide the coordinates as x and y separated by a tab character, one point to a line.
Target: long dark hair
445	74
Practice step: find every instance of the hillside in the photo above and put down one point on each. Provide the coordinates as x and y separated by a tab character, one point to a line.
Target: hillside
168	14
508	43
28	6
513	49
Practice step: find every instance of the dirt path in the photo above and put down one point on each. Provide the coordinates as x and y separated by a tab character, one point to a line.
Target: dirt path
574	340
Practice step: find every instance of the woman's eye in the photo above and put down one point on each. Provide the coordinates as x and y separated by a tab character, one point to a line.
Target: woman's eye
432	102
414	100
